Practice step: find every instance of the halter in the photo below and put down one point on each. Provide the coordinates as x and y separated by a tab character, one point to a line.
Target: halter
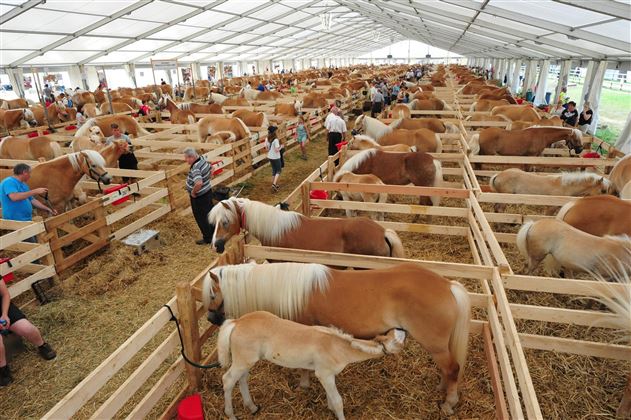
93	173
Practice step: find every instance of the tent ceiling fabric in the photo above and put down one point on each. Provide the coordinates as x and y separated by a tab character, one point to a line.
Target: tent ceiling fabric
105	31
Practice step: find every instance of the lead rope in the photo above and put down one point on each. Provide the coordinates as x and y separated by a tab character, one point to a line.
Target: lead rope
186	359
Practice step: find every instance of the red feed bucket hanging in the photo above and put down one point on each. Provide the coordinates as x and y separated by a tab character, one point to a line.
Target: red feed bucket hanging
340	145
9	277
117	188
318	195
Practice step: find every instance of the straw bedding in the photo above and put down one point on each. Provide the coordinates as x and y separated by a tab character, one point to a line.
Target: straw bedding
102	302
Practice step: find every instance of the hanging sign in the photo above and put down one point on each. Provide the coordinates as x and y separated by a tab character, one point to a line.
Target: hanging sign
27	82
164	64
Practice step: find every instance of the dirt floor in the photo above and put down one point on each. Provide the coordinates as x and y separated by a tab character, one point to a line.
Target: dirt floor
104	301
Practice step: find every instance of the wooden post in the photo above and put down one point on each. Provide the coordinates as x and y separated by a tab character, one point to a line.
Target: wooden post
306	205
330	167
104	231
190	331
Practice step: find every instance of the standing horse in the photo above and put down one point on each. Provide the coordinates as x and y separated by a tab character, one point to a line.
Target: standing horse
418	168
17	118
201	109
366	197
600	215
126	123
326	350
61	175
433	104
177	115
516	181
13	103
434	311
517	112
486	104
564	246
251	118
288	229
620	175
40	148
423	139
376	129
361	142
529	142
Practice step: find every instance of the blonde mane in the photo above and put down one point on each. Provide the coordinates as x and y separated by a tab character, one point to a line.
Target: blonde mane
373	127
618	300
265	222
574	178
355	161
283	289
93	156
84	130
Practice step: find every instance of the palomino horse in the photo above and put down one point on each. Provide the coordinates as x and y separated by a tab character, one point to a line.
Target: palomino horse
366	197
361	142
177	115
529	142
291	110
625	194
198	92
211	108
433	104
40	148
600	215
61	175
251	118
57	113
126	123
517	112
435	124
236	102
91	110
314	100
110	153
117	107
376	129
516	181
562	246
288	229
13	103
417	168
400	111
326	350
423	140
487	104
554	121
17	118
621	175
80	99
434	311
211	125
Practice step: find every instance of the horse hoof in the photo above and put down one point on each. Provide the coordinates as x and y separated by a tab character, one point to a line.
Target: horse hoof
257	408
446	409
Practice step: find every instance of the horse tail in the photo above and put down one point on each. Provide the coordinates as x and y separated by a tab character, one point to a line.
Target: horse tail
54	146
191	119
472	107
396	123
439	143
564	210
459	339
451	128
492	182
394	243
223	342
522	238
474	144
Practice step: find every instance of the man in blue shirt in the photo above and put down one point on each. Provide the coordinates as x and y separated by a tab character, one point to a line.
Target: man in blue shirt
16	198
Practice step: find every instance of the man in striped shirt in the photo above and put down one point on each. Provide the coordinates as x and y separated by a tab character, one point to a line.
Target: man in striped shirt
199	189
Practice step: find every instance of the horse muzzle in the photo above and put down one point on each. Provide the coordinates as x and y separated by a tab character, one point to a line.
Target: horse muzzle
220	245
578	149
216	317
32	123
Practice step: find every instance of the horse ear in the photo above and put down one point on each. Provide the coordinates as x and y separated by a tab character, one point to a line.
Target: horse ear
223	203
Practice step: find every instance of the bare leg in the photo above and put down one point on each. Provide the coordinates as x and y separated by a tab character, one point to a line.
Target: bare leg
25	329
245	393
333	396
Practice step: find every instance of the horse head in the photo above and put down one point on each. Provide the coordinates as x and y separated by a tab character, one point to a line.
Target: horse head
228	218
212	297
359	123
91	163
29	117
96	135
575	140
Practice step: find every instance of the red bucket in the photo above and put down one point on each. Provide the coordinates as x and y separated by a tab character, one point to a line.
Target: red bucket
217	171
340	145
32	134
117	188
190	408
519	101
9	277
70	127
318	195
591	155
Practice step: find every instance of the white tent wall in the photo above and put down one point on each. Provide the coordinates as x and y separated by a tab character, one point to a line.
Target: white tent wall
624	141
530	77
564	74
510	73
542	83
591	68
16	78
594	92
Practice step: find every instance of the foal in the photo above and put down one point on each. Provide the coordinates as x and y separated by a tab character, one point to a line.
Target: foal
325	350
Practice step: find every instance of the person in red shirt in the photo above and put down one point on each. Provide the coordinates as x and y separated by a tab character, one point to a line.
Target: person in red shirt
13	320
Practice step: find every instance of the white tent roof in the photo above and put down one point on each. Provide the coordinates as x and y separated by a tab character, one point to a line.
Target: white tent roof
126	31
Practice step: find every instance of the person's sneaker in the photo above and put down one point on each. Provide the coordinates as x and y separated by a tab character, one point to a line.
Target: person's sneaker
46	351
5	376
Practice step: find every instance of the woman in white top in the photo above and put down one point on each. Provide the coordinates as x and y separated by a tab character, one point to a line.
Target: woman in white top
273	146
